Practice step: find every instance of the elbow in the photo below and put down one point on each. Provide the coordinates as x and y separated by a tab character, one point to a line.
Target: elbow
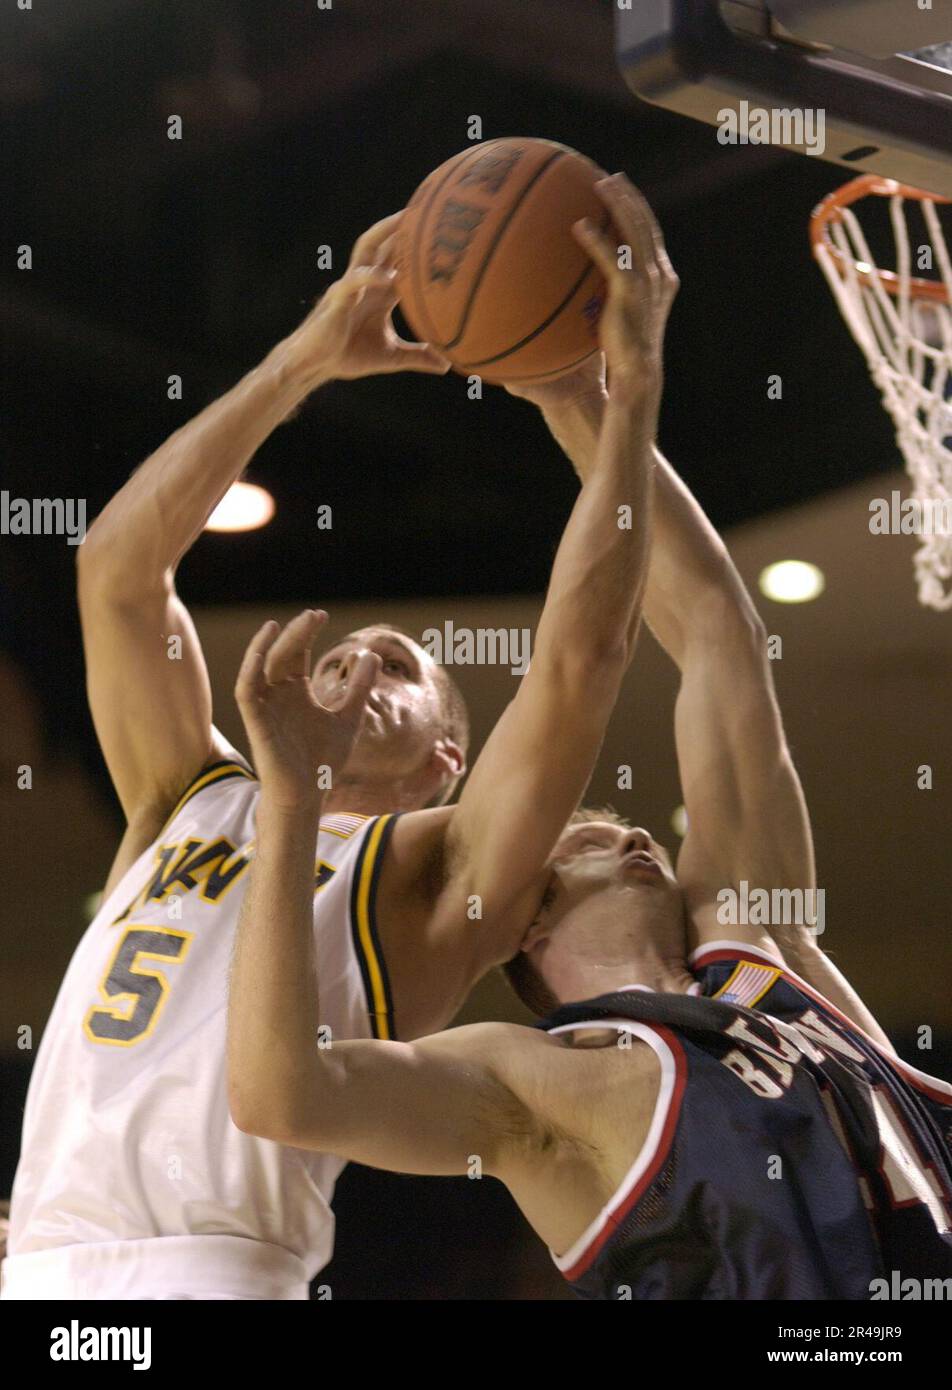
252	1111
727	613
249	1118
601	656
608	644
89	556
612	653
259	1124
98	548
106	568
286	1105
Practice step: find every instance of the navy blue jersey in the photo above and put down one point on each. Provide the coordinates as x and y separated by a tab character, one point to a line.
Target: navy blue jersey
788	1157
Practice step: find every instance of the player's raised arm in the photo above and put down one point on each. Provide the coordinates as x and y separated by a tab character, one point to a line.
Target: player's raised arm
747	817
537	763
153	715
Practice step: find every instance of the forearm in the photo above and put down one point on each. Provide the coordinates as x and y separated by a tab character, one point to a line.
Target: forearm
273	1009
144	531
694	588
690	568
594	599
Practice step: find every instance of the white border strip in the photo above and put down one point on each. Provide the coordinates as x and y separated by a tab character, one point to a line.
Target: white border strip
649	1149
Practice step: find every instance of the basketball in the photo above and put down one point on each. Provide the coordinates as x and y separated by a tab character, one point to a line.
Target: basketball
488	270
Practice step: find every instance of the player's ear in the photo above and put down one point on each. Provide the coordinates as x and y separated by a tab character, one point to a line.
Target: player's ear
449	758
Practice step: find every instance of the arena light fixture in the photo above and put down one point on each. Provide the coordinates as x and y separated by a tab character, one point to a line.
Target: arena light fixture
244	507
791	581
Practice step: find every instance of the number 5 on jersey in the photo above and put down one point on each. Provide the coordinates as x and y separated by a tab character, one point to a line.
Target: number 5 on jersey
134	995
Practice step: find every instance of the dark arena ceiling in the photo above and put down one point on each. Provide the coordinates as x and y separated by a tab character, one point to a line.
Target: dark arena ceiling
302	126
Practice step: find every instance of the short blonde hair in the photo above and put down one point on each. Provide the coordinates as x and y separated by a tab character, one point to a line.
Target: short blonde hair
586	814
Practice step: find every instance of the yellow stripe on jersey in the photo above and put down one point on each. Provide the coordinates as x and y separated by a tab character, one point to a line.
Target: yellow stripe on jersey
217	772
363	922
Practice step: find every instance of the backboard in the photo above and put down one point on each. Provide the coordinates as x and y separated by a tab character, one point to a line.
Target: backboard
866	84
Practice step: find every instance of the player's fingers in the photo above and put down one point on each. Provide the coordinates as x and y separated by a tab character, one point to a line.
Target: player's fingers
419	357
630	209
380	294
367	246
387	251
363	280
359	685
628	204
603	250
631	195
251	682
291	654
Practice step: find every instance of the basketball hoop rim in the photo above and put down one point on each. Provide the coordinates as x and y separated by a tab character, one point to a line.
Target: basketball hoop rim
829	211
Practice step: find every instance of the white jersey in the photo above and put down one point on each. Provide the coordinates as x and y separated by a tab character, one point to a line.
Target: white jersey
133	1181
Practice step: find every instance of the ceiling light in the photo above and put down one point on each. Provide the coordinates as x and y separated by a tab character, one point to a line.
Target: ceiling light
792	581
244	507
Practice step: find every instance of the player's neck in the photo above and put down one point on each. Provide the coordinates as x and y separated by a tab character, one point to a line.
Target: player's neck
649	972
653	957
370	797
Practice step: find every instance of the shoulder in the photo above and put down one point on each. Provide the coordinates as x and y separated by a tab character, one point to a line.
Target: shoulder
581	1089
222	763
522	1054
149	821
416	857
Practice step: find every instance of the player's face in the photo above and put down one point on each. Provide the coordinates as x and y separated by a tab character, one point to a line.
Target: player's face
609	870
611	895
404	716
599	854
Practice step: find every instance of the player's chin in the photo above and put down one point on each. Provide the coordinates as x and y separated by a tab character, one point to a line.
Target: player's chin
652	878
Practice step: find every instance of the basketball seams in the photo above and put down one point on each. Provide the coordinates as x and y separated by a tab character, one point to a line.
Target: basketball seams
590	270
416	277
494	245
538	377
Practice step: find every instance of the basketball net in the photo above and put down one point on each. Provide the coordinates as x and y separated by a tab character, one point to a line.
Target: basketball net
904	326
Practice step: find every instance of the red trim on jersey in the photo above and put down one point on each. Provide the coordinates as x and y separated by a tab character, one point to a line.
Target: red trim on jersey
932	1086
614	1218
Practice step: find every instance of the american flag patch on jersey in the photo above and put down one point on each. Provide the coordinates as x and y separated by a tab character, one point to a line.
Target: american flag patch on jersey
748	983
345	824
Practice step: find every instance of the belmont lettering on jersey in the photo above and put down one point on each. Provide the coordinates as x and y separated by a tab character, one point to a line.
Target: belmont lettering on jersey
812	1026
810	1036
216	865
